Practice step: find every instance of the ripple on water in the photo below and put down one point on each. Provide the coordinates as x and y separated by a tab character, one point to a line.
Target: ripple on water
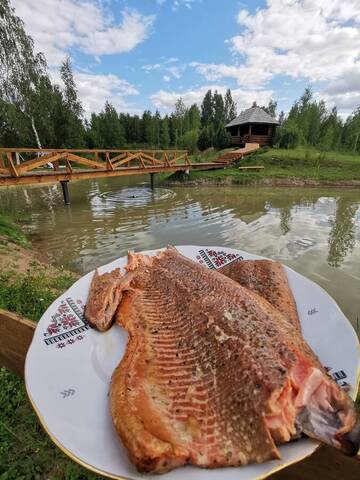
130	198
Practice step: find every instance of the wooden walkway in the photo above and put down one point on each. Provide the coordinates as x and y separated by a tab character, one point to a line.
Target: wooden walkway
238	154
24	166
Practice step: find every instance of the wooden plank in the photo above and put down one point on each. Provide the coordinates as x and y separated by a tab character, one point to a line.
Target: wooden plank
108	162
2	164
153	160
12	168
115	159
84	161
15	337
128	159
37	178
68	166
38	162
252	167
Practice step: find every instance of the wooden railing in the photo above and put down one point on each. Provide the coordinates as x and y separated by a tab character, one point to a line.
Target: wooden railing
19	161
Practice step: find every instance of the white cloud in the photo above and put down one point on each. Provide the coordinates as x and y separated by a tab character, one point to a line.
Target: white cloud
314	40
166	78
94	90
244	98
178	3
56	26
171	70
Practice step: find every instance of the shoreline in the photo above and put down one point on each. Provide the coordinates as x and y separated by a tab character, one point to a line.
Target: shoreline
262	182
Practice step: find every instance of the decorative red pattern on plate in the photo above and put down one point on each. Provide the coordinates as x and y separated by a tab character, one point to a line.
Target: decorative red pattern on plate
216	258
66	324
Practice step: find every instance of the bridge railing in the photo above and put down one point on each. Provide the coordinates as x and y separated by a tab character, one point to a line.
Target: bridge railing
16	162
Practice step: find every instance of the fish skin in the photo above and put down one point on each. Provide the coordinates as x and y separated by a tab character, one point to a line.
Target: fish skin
269	280
104	298
205	360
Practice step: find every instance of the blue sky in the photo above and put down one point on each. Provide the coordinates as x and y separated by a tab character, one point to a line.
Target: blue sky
146	53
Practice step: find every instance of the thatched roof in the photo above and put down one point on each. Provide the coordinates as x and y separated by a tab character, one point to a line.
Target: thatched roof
253	115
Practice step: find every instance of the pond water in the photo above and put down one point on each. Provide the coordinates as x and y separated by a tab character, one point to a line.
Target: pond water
315	231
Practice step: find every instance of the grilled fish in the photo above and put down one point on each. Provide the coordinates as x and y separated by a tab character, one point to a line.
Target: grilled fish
213	374
268	279
104	298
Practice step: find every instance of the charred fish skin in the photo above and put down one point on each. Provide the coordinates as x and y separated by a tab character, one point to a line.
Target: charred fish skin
267	278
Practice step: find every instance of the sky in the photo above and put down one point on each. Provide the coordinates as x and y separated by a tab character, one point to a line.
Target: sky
145	54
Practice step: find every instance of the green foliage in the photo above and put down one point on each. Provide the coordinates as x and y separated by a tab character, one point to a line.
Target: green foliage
30	293
164	133
207	109
205	138
189	141
9	231
229	106
222	138
219	110
288	135
194	120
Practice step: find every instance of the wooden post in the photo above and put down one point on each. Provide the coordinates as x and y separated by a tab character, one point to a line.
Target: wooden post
152	181
65	190
13	170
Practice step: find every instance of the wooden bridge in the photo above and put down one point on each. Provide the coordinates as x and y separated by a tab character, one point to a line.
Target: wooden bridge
26	166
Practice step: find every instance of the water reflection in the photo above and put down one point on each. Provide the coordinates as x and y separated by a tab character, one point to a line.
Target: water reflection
315	231
342	235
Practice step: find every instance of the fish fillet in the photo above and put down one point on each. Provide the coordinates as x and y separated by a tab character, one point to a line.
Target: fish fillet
104	297
213	374
268	279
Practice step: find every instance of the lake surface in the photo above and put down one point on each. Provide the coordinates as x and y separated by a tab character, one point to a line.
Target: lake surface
315	231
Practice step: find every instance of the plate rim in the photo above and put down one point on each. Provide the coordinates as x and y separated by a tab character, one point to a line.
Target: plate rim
104	473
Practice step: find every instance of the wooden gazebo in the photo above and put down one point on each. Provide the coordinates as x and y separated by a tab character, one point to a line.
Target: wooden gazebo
253	125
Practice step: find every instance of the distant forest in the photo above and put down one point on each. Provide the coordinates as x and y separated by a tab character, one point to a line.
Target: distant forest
35	112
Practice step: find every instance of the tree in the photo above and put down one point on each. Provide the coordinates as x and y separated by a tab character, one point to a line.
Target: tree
148	130
205	139
194	117
288	135
164	133
207	109
70	91
281	117
72	127
21	69
222	138
189	141
230	107
180	112
110	133
271	108
219	110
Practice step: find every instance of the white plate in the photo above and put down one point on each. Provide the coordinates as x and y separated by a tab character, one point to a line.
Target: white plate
69	365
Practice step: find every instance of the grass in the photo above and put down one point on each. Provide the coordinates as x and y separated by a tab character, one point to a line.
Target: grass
10	232
302	163
31	292
26	452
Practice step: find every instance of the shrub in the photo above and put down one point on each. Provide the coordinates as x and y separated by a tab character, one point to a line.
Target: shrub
189	141
288	136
